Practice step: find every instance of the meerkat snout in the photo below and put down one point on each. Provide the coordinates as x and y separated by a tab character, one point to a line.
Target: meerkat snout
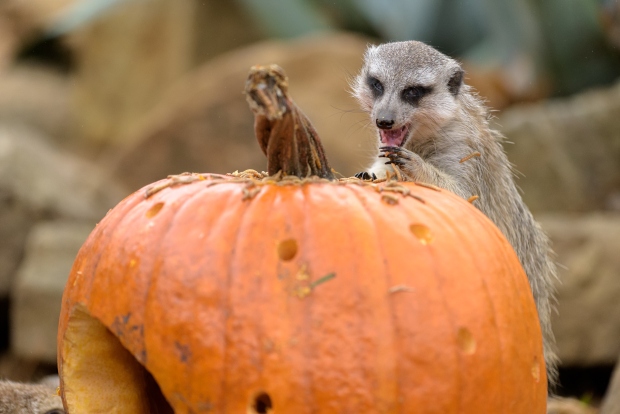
384	123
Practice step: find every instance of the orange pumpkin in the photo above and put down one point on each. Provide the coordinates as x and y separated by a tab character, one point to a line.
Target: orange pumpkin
324	297
254	294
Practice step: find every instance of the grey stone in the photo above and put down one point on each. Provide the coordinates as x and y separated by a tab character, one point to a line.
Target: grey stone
567	151
36	97
39	182
37	292
587	325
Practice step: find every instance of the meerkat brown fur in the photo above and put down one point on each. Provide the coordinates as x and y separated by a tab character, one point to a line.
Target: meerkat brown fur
435	129
18	398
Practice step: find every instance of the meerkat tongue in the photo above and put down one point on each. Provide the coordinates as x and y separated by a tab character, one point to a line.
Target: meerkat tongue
393	137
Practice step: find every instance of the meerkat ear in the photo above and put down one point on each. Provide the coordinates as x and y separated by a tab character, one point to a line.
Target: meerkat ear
455	82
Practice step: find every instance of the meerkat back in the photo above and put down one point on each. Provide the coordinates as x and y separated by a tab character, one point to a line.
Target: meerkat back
18	398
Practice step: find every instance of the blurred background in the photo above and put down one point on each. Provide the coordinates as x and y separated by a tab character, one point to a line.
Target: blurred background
101	97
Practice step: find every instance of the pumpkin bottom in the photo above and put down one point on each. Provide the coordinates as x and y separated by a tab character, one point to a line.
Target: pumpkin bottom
100	376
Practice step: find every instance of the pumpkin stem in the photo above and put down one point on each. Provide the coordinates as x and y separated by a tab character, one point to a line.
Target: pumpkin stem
284	133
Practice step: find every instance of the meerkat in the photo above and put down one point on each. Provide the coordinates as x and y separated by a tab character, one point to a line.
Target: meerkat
18	398
435	128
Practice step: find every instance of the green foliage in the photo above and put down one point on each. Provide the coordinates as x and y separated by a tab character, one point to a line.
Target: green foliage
560	38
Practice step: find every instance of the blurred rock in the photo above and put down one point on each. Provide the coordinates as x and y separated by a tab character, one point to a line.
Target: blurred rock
221	26
504	85
18	22
22	21
610	20
568	406
8	41
38	182
611	402
587	325
37	291
37	97
125	60
568	150
204	124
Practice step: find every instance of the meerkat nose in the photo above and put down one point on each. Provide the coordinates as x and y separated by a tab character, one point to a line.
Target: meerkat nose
385	123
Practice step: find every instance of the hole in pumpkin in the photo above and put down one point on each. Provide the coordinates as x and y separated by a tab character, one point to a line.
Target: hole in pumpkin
261	405
536	370
100	376
466	341
287	249
422	233
152	212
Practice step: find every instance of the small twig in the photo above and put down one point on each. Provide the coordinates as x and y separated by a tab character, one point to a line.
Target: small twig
323	279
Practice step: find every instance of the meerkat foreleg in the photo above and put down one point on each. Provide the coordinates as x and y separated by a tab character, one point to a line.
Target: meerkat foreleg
414	168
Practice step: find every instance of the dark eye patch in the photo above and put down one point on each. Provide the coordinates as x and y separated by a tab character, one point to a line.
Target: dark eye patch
375	86
413	94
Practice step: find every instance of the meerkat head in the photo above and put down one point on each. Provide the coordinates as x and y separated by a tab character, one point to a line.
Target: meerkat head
410	90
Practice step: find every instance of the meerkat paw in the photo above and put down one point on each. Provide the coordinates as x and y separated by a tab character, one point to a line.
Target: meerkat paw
366	176
397	155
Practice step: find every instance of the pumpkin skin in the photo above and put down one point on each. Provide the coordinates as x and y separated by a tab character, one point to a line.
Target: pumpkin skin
305	298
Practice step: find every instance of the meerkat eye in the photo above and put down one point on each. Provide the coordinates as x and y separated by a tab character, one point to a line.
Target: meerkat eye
413	94
375	86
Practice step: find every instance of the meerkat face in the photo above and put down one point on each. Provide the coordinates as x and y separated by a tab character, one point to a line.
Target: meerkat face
410	90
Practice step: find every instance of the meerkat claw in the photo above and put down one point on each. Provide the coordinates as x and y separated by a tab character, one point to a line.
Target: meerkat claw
390	149
396	162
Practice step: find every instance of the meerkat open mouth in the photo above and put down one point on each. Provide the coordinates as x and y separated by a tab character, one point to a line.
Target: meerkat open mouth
393	137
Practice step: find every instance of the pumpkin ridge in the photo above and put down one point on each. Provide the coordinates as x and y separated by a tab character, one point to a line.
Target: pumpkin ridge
309	351
503	361
356	190
182	201
459	234
520	312
450	316
228	308
523	311
499	337
322	338
462	234
349	222
178	200
435	216
364	367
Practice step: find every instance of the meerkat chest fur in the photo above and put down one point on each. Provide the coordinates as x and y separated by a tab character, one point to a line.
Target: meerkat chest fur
435	129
